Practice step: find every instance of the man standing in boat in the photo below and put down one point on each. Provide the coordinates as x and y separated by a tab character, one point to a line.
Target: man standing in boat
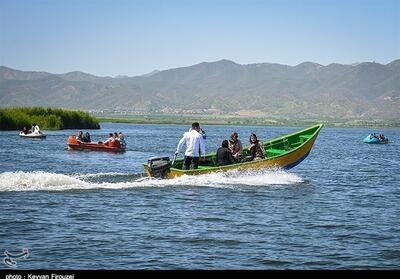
195	147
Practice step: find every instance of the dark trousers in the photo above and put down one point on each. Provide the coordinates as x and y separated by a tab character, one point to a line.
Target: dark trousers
190	163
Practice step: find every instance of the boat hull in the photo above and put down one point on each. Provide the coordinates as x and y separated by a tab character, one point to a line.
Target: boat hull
74	144
32	135
374	140
288	159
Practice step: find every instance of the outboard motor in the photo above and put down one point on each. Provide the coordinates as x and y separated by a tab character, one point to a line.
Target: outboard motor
159	166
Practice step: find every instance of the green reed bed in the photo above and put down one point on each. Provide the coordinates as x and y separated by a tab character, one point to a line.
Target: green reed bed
46	118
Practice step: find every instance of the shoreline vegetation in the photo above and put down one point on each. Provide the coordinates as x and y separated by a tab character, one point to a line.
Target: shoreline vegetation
58	119
47	118
246	121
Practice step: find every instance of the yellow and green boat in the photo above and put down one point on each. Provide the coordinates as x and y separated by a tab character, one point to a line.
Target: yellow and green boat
285	152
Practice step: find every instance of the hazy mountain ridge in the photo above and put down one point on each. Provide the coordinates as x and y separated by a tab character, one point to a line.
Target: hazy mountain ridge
308	90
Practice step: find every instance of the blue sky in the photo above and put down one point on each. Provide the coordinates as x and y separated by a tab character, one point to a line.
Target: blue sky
134	37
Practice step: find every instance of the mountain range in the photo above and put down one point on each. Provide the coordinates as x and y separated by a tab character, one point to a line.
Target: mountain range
365	90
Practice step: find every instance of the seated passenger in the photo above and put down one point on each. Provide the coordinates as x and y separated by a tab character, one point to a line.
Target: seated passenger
121	139
35	129
25	130
86	138
235	145
121	136
256	148
110	139
224	155
80	136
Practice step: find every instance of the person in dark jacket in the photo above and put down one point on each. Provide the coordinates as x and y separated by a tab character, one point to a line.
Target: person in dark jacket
80	136
224	154
86	137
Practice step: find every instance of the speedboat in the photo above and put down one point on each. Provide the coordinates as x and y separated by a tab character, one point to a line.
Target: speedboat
113	146
372	138
285	152
34	135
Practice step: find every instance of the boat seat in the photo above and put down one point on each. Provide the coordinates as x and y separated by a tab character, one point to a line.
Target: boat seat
304	138
275	152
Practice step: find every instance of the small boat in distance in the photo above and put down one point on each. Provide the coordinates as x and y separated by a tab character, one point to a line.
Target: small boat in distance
284	152
112	146
376	139
34	135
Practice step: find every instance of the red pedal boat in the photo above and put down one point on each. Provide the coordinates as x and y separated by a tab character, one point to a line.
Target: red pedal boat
112	146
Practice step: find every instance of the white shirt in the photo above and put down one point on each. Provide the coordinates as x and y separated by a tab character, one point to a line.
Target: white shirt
108	140
194	143
36	130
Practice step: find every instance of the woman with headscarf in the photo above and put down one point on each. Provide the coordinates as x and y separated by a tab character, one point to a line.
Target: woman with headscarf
256	148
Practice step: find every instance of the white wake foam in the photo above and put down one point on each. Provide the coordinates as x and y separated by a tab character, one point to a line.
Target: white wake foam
45	181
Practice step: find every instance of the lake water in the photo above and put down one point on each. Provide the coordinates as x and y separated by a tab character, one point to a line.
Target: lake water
338	209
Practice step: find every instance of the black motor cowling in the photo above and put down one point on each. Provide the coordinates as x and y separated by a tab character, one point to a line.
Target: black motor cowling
159	166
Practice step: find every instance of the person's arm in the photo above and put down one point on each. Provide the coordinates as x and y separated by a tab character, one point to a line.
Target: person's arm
251	147
262	149
178	148
240	148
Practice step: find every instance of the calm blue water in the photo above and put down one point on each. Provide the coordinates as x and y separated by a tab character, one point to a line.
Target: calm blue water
91	210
